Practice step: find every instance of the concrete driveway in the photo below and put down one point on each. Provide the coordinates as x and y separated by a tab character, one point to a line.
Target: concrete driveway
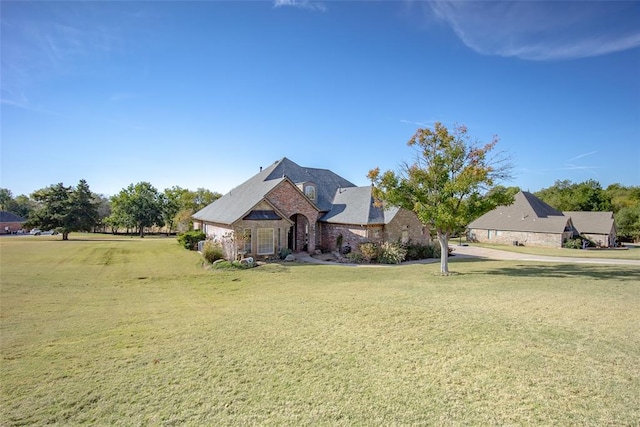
479	252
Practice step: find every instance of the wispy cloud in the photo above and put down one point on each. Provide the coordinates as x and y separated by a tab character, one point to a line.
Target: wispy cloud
579	156
542	30
572	167
301	4
410	122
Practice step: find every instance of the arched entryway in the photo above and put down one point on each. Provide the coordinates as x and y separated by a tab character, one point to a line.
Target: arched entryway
301	236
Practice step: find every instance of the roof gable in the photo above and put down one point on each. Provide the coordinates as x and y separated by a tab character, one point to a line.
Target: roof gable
355	205
327	182
526	213
592	222
241	199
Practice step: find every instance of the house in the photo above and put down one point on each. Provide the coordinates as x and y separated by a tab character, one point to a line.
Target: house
531	222
599	227
289	207
10	222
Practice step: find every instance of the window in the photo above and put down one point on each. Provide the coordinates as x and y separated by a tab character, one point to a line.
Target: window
405	236
310	191
265	241
247	240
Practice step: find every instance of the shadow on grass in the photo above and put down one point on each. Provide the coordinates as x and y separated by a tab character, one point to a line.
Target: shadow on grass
562	271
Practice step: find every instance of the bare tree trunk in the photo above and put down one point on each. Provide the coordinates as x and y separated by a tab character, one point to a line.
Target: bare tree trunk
443	238
65	235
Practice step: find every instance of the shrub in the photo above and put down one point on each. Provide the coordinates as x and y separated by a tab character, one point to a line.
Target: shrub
419	251
284	252
355	257
190	239
577	243
369	251
231	265
391	253
212	251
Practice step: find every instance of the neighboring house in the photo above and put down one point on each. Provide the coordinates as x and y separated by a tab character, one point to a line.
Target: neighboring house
599	227
531	222
286	206
10	222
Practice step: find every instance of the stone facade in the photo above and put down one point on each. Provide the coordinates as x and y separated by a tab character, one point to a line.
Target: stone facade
406	226
523	238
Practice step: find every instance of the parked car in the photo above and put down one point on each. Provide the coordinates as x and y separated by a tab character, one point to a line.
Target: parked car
35	232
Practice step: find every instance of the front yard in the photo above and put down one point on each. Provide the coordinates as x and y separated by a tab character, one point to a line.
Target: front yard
125	331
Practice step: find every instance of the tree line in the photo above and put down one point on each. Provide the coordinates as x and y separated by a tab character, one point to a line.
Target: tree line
135	209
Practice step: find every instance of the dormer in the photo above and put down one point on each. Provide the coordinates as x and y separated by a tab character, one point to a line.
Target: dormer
309	189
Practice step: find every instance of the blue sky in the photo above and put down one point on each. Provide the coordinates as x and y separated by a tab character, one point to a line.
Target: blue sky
201	94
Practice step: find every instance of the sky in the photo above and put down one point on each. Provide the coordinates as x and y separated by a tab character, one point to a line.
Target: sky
202	94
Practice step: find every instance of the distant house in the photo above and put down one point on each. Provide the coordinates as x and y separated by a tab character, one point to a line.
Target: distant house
599	227
530	221
10	222
287	206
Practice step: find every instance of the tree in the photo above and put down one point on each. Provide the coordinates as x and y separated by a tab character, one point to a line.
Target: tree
446	186
64	209
138	205
623	197
23	206
173	202
568	196
6	197
190	203
628	222
203	197
104	210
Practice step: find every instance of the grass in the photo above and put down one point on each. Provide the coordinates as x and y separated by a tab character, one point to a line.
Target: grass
633	251
127	331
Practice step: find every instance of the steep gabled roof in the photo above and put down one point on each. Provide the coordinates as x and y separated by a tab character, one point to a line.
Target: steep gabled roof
240	200
592	222
527	213
355	205
10	217
326	181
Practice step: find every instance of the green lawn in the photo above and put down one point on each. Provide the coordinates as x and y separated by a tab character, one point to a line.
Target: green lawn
128	331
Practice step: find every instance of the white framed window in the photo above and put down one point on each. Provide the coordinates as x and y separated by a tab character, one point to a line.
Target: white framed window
265	241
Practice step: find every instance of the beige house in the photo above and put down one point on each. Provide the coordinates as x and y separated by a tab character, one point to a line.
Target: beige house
531	222
599	227
287	206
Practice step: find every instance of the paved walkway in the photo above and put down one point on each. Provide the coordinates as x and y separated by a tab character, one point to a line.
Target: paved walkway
495	254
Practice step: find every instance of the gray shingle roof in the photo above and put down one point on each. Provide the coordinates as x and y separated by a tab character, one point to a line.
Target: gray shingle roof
592	222
355	205
10	217
527	213
240	200
326	181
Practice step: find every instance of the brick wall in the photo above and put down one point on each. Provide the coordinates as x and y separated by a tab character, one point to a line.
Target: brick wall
525	238
354	235
10	227
290	201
